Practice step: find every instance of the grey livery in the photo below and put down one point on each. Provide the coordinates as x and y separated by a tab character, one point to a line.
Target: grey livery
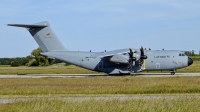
122	61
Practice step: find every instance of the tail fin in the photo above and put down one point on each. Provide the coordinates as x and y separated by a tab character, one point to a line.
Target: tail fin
43	35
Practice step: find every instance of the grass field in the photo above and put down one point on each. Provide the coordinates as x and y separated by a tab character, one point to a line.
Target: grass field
182	104
45	70
194	68
100	85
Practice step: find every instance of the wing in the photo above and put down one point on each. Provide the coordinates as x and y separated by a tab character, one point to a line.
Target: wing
111	53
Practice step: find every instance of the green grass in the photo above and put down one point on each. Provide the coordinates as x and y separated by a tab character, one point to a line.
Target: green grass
100	85
194	56
45	70
182	104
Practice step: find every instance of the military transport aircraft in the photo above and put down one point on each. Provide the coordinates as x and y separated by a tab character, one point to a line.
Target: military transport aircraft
122	61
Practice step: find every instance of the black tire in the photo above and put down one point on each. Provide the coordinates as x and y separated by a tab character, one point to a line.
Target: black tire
172	73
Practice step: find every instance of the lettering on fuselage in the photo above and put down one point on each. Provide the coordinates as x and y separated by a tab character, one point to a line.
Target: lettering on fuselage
162	56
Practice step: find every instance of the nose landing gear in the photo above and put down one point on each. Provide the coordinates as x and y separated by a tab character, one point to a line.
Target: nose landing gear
173	72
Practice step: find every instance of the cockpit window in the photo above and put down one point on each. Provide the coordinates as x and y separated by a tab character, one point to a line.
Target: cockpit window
182	54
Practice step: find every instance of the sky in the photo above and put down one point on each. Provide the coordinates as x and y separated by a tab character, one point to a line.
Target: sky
99	25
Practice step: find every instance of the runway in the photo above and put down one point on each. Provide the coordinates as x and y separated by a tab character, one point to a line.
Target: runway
112	97
98	75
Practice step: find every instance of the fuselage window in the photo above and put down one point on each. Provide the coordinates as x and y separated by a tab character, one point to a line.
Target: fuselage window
183	54
179	54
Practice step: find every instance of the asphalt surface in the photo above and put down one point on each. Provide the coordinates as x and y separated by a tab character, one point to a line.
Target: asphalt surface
83	98
96	75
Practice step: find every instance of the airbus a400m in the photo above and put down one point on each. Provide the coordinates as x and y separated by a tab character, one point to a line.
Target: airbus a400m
122	61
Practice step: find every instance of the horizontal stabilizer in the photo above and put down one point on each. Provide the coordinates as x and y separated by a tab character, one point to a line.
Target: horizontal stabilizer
28	26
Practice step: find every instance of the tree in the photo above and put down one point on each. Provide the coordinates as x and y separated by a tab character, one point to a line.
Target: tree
7	61
36	52
35	59
42	60
25	61
32	62
14	63
39	59
193	53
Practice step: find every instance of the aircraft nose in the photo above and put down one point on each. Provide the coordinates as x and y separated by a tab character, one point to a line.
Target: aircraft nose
190	61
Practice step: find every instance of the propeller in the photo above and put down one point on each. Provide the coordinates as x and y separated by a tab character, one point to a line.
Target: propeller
131	59
142	56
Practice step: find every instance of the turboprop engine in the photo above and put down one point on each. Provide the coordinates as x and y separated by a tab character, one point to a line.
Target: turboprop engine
119	58
129	58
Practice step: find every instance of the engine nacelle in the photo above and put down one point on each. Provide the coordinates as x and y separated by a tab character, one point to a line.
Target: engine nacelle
118	58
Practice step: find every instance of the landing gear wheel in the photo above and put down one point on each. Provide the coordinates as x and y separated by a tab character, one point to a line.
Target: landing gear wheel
172	73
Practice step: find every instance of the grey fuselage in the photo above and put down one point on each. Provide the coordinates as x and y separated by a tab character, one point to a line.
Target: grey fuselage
100	61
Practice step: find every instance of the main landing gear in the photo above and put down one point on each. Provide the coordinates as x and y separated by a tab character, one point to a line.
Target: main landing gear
173	72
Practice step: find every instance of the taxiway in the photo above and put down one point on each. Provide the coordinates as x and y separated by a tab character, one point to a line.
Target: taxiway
111	97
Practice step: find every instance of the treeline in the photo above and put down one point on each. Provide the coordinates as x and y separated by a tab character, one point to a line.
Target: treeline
35	59
191	53
7	61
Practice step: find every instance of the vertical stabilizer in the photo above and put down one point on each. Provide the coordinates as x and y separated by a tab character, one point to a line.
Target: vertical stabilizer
44	36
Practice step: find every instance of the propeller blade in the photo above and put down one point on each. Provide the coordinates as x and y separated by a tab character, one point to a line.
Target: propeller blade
142	56
142	51
130	65
130	53
131	59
